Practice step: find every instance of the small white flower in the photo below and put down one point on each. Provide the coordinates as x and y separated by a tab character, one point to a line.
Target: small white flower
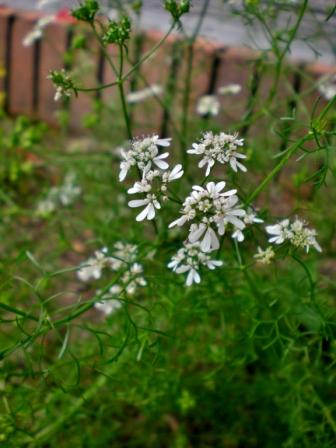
174	174
93	267
220	148
150	202
133	278
142	95
122	255
68	192
208	105
230	89
61	196
189	259
327	86
45	207
37	31
280	232
264	256
108	305
144	153
302	236
249	218
155	185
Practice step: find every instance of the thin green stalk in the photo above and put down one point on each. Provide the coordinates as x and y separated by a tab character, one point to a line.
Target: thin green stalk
283	53
291	150
149	53
87	395
187	83
122	93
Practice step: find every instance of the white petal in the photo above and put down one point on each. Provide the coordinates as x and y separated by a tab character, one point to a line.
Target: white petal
235	221
206	242
219	187
178	222
162	156
214	239
161	164
229	193
176	173
122	174
241	166
233	165
151	212
163	141
142	215
138	203
196	234
182	269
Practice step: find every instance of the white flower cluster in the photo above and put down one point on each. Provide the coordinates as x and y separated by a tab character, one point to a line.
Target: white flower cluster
123	258
129	283
220	148
264	256
154	185
211	211
208	105
189	259
92	268
154	173
144	154
61	196
296	232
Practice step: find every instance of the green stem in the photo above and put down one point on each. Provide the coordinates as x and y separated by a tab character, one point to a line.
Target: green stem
122	93
149	53
291	150
45	433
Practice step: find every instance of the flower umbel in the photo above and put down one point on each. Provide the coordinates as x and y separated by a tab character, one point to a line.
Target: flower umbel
210	208
143	154
297	233
189	259
93	267
264	256
220	148
63	83
208	105
155	185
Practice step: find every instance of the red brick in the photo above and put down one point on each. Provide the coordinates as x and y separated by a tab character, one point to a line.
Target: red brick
148	114
21	70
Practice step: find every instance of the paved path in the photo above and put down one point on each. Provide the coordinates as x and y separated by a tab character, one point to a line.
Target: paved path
227	28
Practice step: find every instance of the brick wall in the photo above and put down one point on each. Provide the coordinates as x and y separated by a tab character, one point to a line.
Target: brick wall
27	91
